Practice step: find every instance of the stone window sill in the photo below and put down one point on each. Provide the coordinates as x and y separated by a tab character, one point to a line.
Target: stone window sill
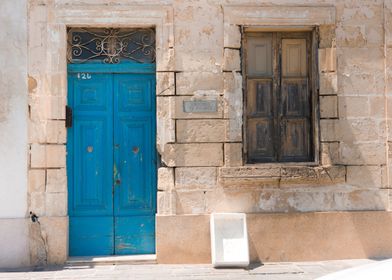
277	174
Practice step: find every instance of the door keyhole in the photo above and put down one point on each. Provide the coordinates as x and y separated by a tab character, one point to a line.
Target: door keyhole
135	150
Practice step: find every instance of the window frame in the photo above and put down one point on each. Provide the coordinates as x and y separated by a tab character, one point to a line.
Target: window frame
312	34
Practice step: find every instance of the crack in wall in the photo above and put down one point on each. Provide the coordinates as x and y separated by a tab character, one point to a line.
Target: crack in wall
38	244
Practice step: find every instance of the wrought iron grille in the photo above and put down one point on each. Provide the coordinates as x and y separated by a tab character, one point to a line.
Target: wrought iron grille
111	45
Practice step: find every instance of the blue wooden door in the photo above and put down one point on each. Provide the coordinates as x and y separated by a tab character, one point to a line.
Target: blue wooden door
111	164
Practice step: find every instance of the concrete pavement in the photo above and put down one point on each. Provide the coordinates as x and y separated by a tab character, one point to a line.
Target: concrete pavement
268	271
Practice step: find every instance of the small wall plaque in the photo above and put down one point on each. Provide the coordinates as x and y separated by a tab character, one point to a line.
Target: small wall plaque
200	106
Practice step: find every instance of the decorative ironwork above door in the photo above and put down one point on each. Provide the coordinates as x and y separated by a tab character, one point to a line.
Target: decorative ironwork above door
111	45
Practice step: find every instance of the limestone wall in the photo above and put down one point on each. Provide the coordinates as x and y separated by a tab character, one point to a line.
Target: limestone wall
205	169
198	58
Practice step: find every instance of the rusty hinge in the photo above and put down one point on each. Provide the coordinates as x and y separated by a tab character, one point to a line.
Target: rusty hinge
68	116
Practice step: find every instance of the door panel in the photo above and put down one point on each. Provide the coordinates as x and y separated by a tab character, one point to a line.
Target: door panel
91	167
260	136
294	58
91	236
259	59
134	192
135	235
90	164
295	141
134	195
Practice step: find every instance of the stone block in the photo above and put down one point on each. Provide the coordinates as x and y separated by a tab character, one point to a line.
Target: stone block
165	83
47	155
388	21
327	60
279	14
58	84
165	122
203	154
390	150
187	83
55	155
288	176
327	36
360	35
48	108
37	203
200	130
364	176
377	106
56	204
194	60
231	60
232	200
165	179
329	153
315	175
208	96
362	153
329	130
244	176
328	107
36	132
325	199
353	106
352	14
233	154
56	180
328	83
361	129
37	156
188	241
233	106
55	232
351	36
195	177
361	83
232	36
360	61
190	202
56	132
166	60
36	180
389	135
166	203
206	30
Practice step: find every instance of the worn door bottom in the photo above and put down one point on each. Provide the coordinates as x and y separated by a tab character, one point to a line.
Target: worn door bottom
110	260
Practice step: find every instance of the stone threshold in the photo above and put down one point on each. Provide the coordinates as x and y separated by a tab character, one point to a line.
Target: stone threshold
111	260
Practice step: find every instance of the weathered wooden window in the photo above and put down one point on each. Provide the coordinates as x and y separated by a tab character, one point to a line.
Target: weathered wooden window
279	102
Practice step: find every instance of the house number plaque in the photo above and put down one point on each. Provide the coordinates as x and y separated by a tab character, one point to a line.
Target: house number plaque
200	106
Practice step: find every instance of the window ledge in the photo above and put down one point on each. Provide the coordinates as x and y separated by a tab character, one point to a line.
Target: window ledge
271	174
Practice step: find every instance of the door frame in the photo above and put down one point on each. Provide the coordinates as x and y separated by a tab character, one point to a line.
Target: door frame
120	68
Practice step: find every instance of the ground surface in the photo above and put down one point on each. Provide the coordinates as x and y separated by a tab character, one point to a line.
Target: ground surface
269	271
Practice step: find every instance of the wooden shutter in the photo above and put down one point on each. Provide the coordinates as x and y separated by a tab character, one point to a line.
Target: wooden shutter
259	100
295	102
278	102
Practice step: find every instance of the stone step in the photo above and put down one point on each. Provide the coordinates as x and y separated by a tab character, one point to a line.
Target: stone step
111	260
